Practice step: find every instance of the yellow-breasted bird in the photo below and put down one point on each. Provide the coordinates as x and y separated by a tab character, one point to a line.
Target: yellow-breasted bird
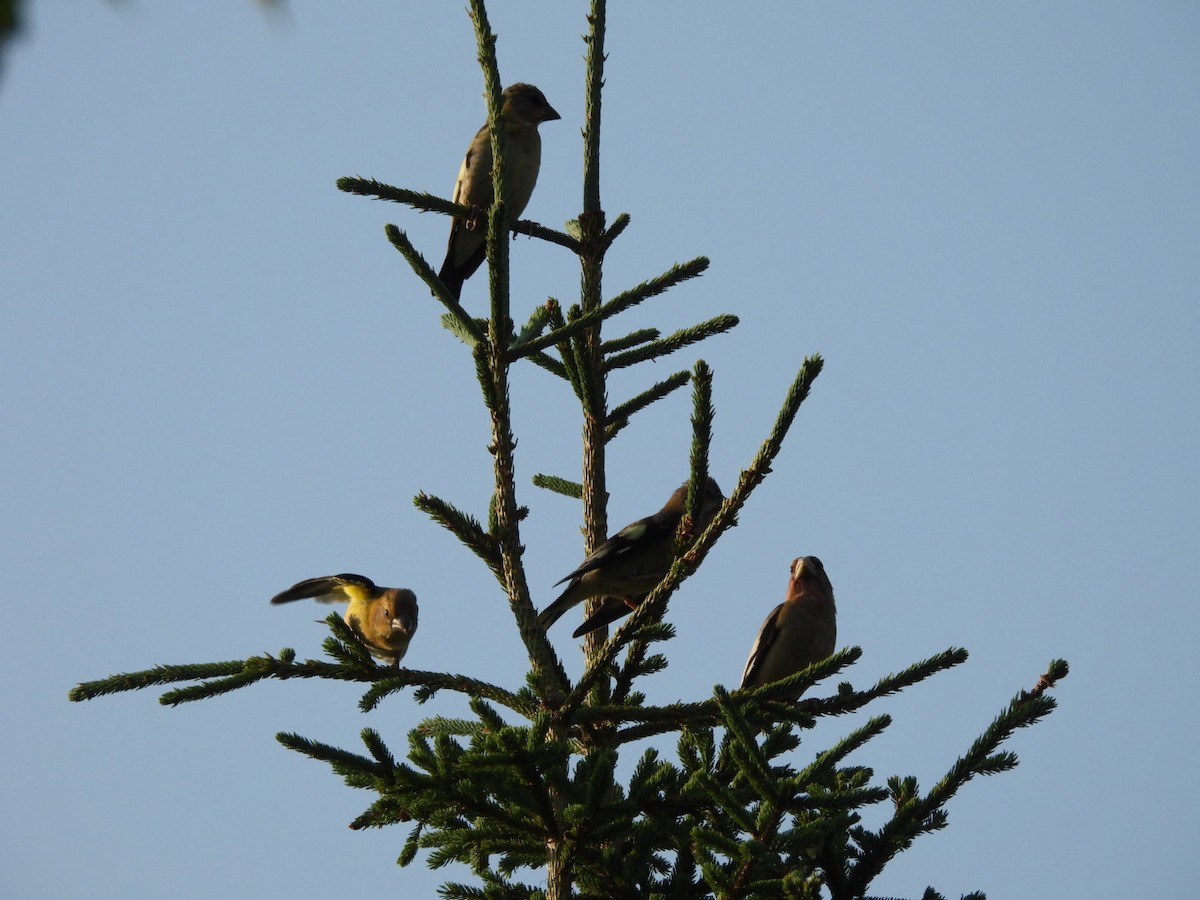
800	631
629	564
523	108
384	619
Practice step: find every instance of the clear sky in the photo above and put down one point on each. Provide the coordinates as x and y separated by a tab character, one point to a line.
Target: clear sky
218	379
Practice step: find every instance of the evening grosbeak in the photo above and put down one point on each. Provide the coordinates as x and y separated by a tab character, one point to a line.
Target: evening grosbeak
629	564
523	109
800	631
384	619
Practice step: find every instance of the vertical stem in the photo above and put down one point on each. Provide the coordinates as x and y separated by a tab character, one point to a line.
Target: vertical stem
491	359
591	221
497	233
559	876
591	131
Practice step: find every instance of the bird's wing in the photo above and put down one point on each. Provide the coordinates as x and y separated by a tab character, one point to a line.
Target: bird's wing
640	534
328	589
762	646
465	250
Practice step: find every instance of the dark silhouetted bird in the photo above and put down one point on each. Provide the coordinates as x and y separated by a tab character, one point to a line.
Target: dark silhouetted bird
800	631
628	565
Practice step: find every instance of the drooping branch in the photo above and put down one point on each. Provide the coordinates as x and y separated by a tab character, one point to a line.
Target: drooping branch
221	678
468	325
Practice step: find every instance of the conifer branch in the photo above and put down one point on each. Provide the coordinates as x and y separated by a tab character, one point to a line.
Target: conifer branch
344	644
619	224
343	761
638	665
707	712
685	337
848	701
620	415
564	486
752	764
214	688
496	240
529	228
418	200
163	674
464	527
570	362
703	414
644	291
426	202
492	370
550	364
424	271
593	93
677	274
580	339
469	336
389	810
633	339
796	395
824	764
221	678
539	319
429	683
786	689
916	814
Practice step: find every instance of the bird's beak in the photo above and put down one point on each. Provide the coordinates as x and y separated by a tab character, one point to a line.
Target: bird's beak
550	114
404	624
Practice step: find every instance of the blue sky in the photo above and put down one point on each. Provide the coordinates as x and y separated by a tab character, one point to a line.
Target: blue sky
219	379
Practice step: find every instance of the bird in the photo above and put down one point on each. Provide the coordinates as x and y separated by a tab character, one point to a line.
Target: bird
523	108
628	565
384	619
800	631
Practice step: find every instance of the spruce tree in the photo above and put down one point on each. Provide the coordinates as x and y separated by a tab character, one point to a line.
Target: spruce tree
525	791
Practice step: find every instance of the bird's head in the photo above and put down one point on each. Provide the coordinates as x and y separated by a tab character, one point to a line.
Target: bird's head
400	611
809	574
525	104
710	500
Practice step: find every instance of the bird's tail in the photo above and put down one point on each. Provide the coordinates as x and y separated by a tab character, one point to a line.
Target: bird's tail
612	609
555	610
453	278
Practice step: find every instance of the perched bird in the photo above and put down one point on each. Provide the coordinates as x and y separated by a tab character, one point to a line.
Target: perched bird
524	108
384	619
800	631
629	564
